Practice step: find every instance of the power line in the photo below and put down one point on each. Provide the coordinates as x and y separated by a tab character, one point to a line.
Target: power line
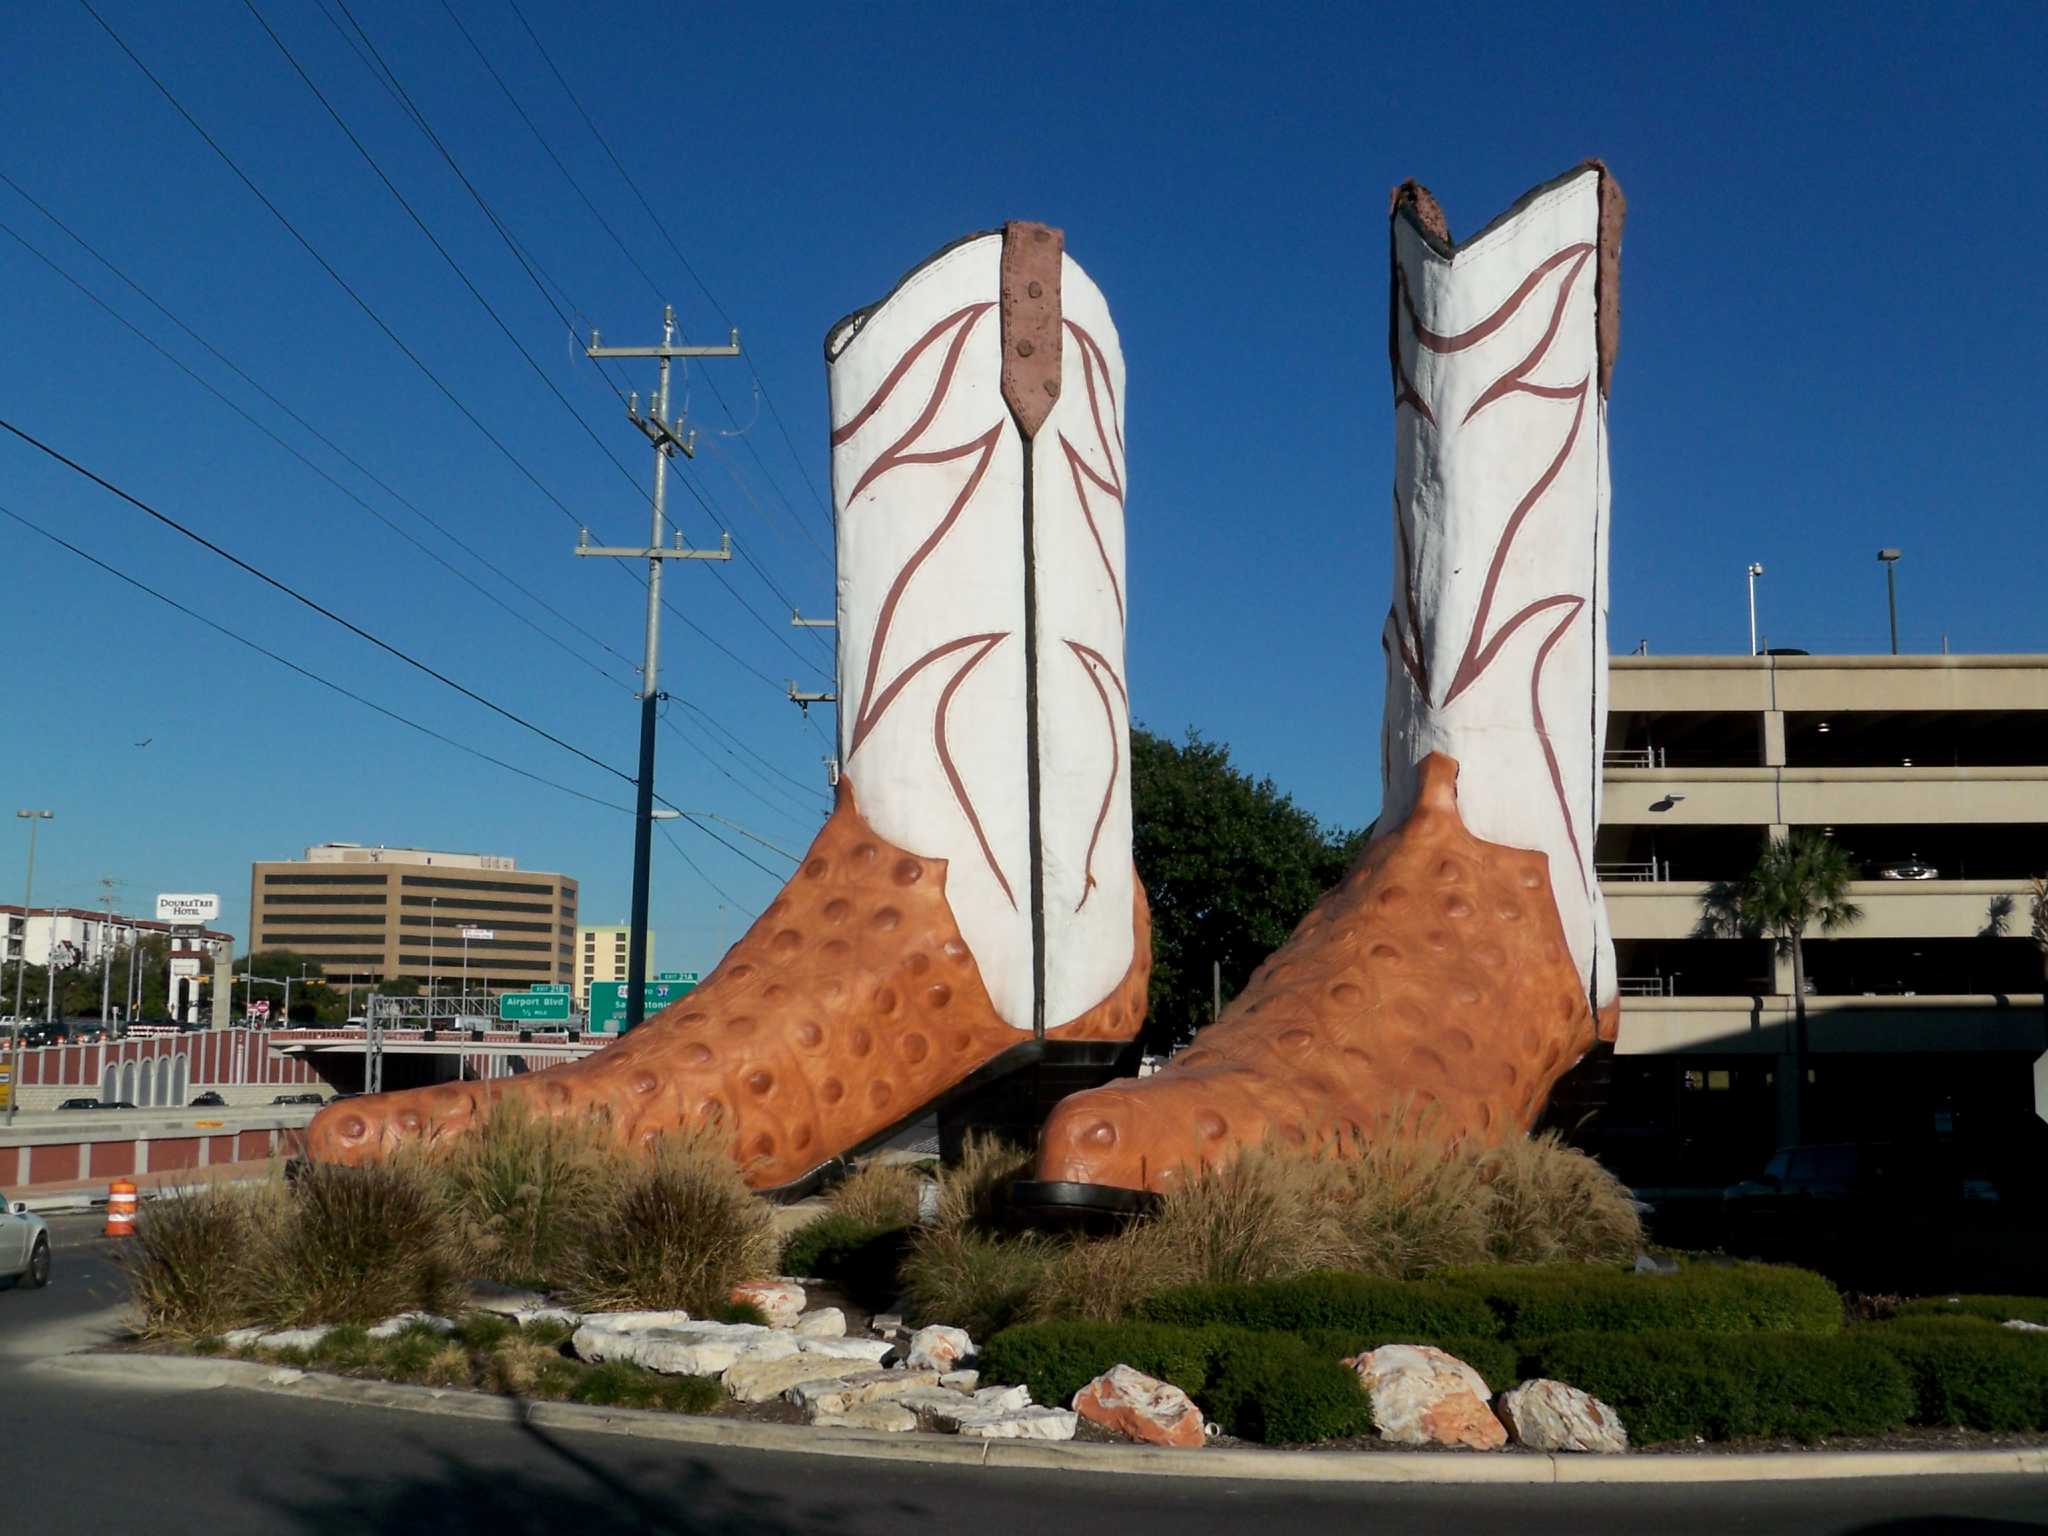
698	869
328	267
232	405
305	672
299	597
627	176
721	769
419	119
713	721
357	464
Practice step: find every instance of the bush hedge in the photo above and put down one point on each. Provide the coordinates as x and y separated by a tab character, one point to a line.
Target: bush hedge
1538	1301
1673	1385
858	1256
1967	1371
1269	1387
1351	1303
1994	1309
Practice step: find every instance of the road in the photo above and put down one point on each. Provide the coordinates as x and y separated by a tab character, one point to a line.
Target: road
94	1459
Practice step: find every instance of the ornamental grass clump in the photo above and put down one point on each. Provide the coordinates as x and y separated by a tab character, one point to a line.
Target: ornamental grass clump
521	1189
1547	1203
679	1228
352	1245
188	1263
881	1195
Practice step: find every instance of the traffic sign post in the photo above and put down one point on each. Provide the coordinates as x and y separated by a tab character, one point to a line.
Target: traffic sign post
608	1000
534	1007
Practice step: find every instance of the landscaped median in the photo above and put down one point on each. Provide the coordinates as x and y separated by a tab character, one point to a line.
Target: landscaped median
1405	1300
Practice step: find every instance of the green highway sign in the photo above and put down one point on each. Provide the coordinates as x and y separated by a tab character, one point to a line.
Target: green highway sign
608	1000
690	976
534	1007
550	986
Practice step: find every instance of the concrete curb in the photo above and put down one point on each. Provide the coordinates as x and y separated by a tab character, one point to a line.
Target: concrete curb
198	1374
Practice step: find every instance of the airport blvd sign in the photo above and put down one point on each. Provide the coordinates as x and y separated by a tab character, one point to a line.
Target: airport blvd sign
533	1007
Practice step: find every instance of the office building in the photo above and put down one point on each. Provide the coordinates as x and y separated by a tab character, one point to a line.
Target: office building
369	914
1925	1017
601	956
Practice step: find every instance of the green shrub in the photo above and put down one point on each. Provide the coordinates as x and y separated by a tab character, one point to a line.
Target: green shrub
1968	1371
344	1348
616	1384
1723	1386
1056	1360
860	1258
680	1230
1362	1304
1537	1301
974	1281
1996	1309
1275	1389
1498	1361
484	1330
975	1192
739	1312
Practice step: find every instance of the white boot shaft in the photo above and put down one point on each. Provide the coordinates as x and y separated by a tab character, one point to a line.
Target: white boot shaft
1497	640
984	715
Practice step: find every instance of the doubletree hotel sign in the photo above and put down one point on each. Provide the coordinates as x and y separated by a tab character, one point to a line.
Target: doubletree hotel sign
187	909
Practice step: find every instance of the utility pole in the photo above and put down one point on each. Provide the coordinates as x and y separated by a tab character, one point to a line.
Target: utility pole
35	819
107	884
1890	557
668	438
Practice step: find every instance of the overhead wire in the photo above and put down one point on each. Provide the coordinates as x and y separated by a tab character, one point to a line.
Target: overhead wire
419	119
289	448
301	598
308	426
305	672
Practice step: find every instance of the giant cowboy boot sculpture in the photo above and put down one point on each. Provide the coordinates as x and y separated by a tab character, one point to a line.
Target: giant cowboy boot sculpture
1465	963
971	903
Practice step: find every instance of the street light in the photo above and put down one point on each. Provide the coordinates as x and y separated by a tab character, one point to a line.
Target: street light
1890	557
433	910
1755	571
34	820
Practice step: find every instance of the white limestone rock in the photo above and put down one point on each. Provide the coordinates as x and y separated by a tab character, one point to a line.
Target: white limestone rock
701	1349
1550	1416
638	1322
838	1394
392	1327
961	1381
1000	1399
1023	1424
241	1338
760	1381
893	1418
295	1338
886	1324
505	1300
2022	1326
824	1323
1141	1407
938	1348
873	1351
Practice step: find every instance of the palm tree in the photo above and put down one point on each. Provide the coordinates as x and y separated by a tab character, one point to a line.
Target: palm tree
1797	885
2041	933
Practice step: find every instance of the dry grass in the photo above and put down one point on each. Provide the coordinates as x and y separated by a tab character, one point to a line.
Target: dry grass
187	1266
976	1280
519	1366
680	1229
447	1366
975	1192
356	1245
521	1188
879	1195
1548	1203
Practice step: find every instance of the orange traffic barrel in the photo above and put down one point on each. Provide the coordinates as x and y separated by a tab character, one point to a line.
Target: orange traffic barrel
121	1208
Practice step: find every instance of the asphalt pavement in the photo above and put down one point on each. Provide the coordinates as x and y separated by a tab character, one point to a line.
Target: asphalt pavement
80	1456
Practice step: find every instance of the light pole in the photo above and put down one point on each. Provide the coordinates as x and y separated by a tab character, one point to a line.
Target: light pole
1890	557
1755	571
433	918
34	820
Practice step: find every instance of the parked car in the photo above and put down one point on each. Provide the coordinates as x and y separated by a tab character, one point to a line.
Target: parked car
24	1244
299	1098
208	1100
117	1104
81	1104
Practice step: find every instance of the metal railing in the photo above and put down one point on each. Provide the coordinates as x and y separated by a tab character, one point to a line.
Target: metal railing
1648	869
1633	757
1644	986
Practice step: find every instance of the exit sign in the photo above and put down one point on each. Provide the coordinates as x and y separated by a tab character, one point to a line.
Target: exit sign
608	1001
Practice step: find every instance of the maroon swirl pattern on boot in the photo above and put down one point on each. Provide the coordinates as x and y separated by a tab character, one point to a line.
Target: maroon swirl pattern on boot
850	1004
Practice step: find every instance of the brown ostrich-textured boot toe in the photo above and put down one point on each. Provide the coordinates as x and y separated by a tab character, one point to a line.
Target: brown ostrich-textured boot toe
1433	985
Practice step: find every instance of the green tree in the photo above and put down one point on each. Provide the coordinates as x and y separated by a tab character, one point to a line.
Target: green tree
1798	886
2040	931
1230	865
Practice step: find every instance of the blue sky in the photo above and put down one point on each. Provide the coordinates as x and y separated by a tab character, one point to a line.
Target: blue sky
1832	329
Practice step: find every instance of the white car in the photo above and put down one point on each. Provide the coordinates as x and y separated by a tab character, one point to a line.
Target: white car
24	1244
